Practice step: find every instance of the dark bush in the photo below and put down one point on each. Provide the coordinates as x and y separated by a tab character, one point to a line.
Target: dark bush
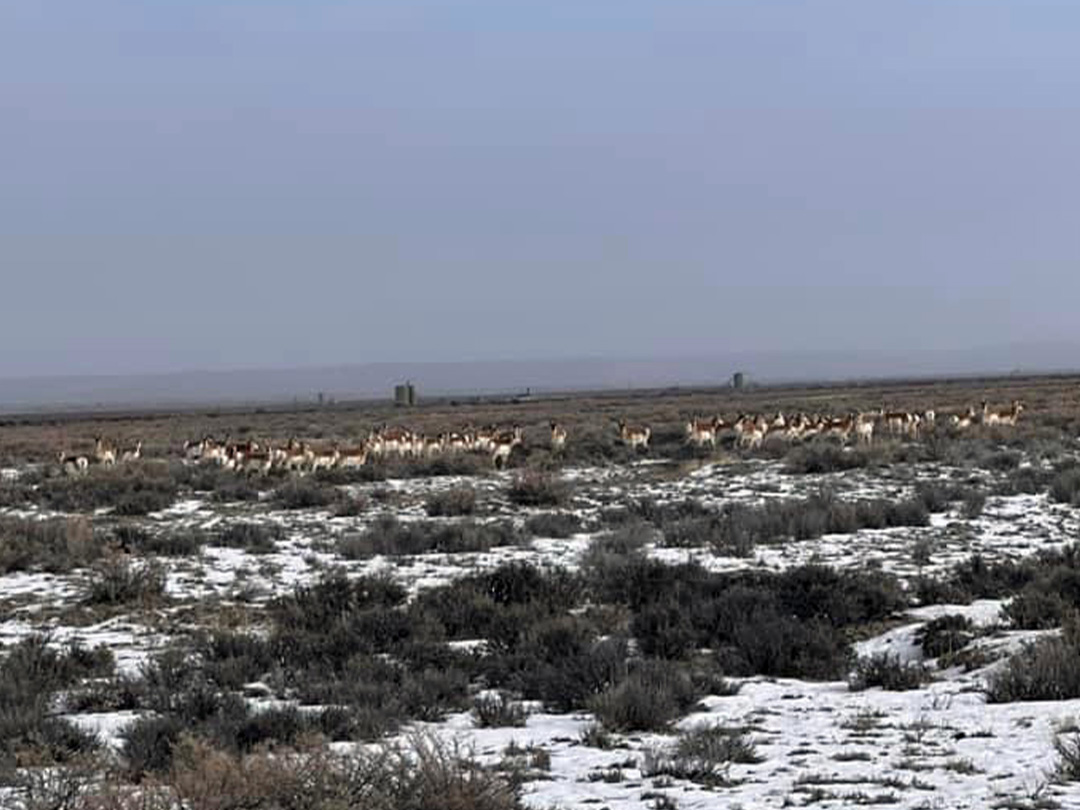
147	745
254	538
422	773
318	606
939	496
55	545
390	536
129	490
945	635
739	527
31	675
350	505
1036	609
1065	488
661	514
973	504
537	489
1047	669
137	540
116	581
224	486
455	502
704	755
558	525
498	711
887	672
825	457
305	493
653	695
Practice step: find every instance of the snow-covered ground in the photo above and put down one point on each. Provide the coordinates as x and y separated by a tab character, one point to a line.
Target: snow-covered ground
821	744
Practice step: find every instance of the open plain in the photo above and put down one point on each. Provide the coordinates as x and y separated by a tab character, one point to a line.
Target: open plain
681	598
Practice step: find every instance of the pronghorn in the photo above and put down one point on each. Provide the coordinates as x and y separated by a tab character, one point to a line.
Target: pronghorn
484	439
215	452
104	452
864	428
326	460
896	423
132	454
962	421
353	457
840	427
391	441
193	451
503	444
1008	418
914	425
558	437
750	431
702	432
456	442
297	456
256	461
634	436
73	465
280	455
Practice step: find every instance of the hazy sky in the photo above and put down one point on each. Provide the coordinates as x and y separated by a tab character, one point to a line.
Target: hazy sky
200	185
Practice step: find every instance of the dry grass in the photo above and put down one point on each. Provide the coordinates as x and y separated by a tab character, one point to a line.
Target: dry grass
1053	406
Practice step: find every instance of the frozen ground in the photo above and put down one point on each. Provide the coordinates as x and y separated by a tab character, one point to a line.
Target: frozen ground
940	746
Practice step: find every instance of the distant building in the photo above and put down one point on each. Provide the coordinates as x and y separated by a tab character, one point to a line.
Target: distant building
738	380
405	395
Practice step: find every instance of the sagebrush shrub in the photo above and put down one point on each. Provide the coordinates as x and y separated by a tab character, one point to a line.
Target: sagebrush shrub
537	489
887	672
117	581
945	635
56	545
455	502
1046	669
650	698
255	538
554	524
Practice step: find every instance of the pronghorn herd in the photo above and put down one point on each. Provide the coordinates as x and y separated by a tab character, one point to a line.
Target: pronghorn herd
753	430
748	431
384	443
106	454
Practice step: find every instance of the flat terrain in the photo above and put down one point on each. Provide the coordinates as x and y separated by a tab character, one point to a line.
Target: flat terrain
806	623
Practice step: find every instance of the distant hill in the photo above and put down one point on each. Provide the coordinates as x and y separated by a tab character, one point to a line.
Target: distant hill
377	379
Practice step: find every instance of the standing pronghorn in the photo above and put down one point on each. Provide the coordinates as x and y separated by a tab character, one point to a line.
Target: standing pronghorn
702	432
558	437
962	421
634	436
132	454
353	457
503	445
104	451
73	465
1007	418
750	431
864	428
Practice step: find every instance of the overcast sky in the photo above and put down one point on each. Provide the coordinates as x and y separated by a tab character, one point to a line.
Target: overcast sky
251	183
